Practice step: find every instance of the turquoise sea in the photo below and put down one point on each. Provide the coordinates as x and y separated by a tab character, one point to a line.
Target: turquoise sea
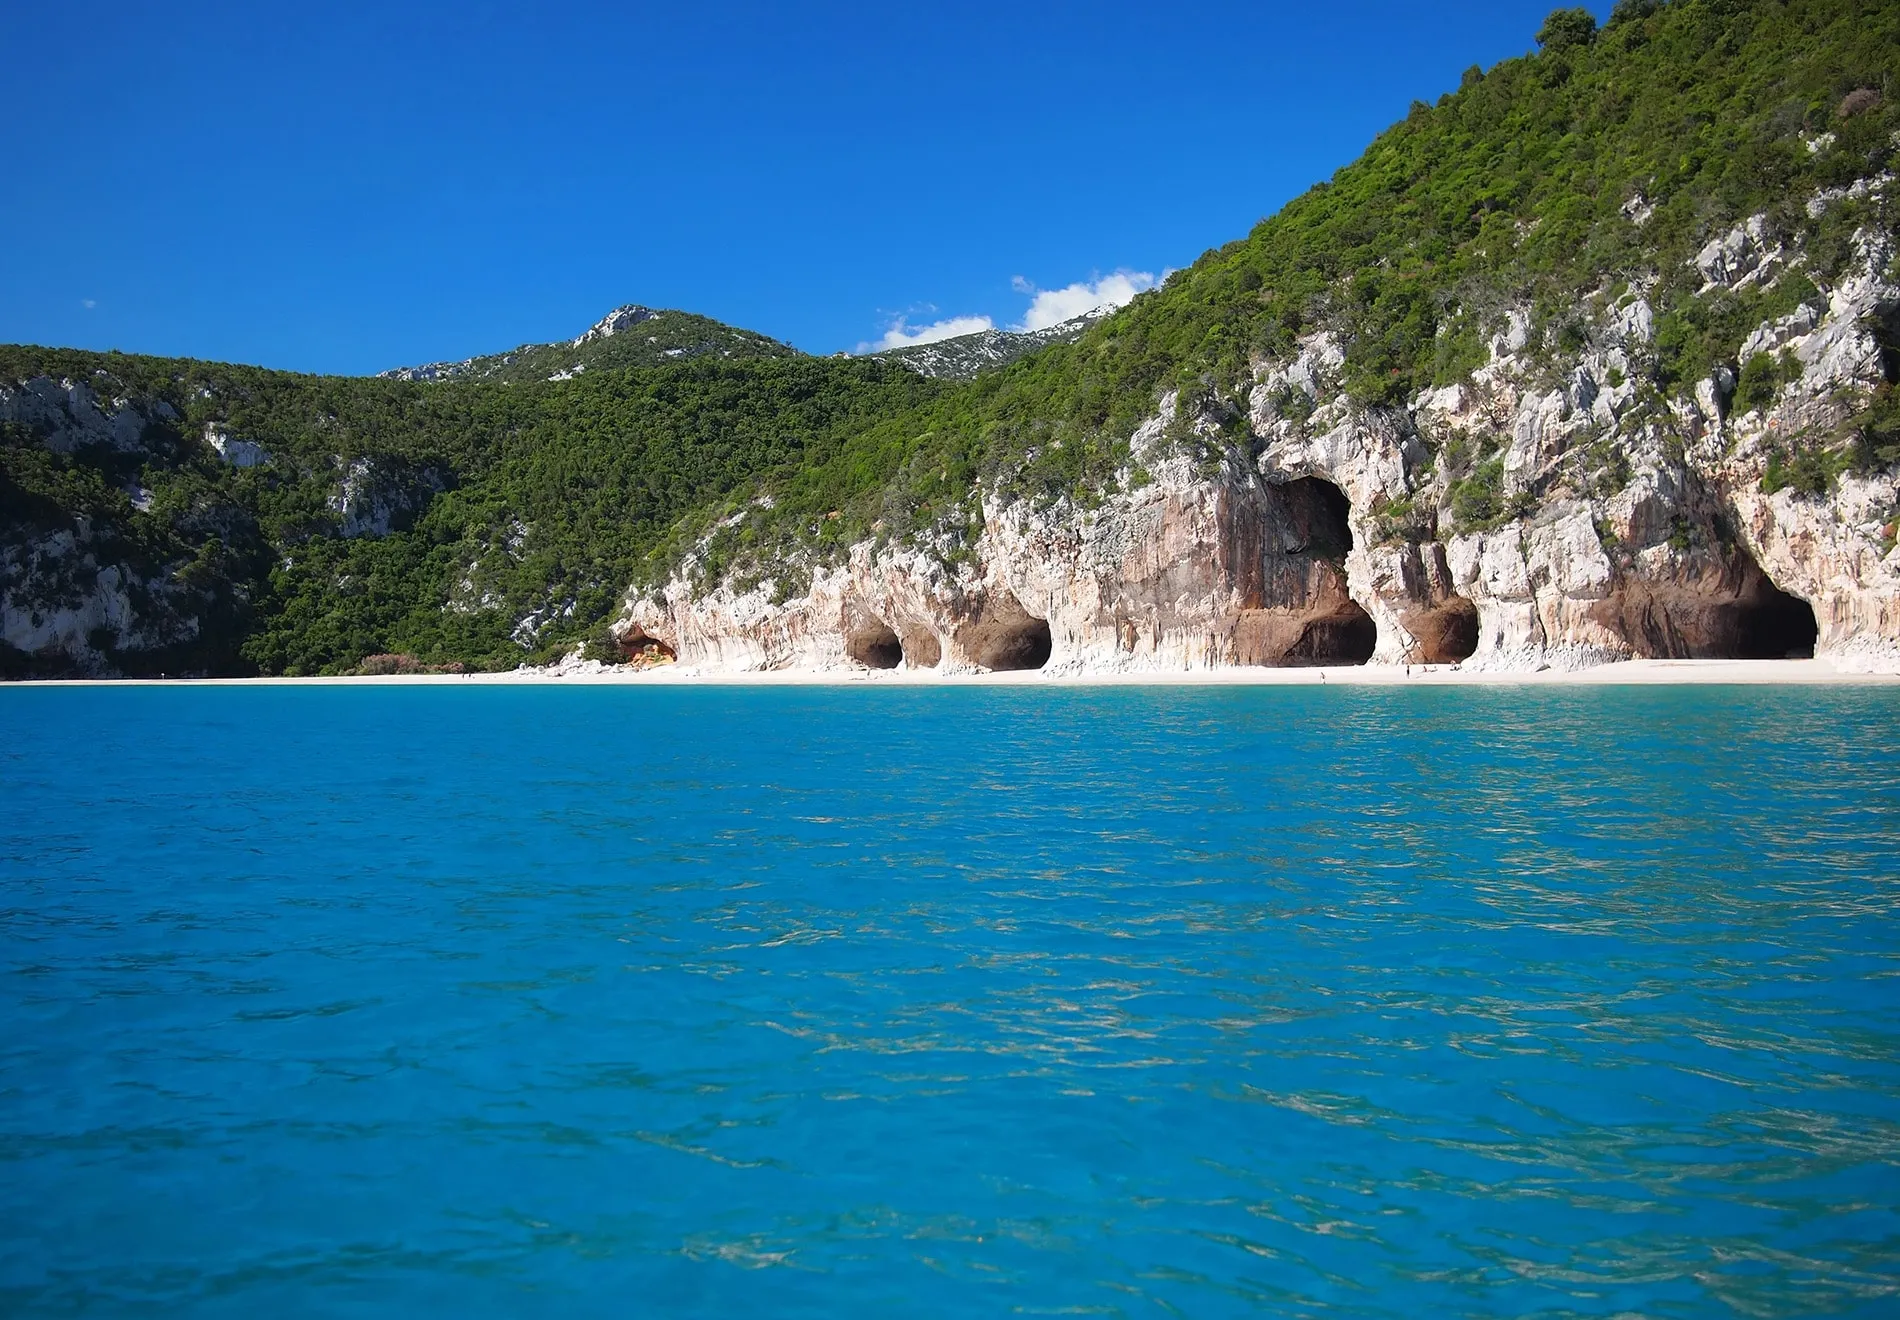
525	1001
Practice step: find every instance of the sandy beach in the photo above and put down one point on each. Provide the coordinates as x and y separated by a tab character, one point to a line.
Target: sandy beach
1625	673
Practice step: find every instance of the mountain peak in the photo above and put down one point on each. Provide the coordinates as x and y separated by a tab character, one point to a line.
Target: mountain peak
620	318
667	336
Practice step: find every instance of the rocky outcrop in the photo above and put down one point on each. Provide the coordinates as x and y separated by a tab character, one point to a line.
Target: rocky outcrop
70	415
374	497
233	450
1542	512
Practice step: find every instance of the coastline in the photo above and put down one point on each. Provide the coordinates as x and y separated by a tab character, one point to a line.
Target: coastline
1625	673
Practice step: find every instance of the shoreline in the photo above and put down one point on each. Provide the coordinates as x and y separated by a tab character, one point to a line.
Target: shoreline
1625	673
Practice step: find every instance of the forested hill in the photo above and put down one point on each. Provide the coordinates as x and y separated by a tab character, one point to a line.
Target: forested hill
173	516
183	516
629	336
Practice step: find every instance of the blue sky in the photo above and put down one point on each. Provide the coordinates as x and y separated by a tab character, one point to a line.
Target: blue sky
352	187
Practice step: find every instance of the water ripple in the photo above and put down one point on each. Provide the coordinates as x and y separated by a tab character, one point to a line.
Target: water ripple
1311	1002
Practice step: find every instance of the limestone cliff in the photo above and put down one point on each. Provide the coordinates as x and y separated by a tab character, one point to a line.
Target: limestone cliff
1552	509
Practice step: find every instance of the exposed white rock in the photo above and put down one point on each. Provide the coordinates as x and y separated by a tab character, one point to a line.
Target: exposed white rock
1633	322
963	356
620	318
69	415
1819	203
370	501
57	598
572	665
1517	333
238	453
1776	334
1743	256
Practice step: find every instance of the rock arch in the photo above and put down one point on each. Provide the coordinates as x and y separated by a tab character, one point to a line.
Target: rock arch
1024	644
1316	516
1300	612
922	650
1767	623
1345	636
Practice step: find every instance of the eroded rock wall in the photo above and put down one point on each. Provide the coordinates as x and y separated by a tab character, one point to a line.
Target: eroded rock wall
1628	523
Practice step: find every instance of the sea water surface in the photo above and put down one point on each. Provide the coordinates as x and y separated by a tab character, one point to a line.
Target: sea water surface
612	1001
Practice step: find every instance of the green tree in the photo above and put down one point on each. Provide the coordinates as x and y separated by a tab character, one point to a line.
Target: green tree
1565	28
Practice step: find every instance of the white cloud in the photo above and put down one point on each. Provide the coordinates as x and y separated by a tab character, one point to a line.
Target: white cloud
1049	307
88	303
901	334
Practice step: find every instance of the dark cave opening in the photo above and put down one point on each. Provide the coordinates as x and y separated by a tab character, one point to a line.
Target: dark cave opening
1321	511
1348	636
1770	624
874	645
1025	645
1447	633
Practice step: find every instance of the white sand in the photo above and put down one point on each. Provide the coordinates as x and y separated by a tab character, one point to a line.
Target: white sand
1627	672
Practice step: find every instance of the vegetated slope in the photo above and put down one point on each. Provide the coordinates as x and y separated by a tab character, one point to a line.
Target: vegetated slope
173	516
966	356
629	336
1605	161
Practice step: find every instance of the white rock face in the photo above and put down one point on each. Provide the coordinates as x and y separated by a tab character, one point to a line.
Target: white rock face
1740	257
370	501
1639	530
69	415
620	318
57	598
963	356
238	453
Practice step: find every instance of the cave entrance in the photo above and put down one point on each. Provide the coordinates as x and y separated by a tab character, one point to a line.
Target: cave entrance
874	645
1769	624
1318	514
1023	645
641	649
1445	634
1347	636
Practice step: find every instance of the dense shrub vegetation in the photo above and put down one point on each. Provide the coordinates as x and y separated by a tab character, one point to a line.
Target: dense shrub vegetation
552	490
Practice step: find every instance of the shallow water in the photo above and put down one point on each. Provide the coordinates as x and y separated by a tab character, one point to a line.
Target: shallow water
1293	1001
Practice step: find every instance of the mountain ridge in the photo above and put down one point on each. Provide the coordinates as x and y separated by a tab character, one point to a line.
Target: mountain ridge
631	335
963	357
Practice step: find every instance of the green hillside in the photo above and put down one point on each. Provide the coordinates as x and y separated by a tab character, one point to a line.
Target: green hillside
506	501
1521	187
